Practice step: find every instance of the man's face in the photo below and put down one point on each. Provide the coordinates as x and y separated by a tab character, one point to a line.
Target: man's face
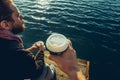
17	25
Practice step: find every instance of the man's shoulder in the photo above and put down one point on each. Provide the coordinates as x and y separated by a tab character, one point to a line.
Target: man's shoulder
8	44
5	41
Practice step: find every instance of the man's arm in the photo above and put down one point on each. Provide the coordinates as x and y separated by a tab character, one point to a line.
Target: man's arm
76	75
31	64
68	63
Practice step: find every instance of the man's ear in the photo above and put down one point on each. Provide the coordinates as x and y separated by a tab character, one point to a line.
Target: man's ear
4	25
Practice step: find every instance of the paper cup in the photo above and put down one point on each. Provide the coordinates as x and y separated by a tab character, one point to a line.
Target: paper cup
56	43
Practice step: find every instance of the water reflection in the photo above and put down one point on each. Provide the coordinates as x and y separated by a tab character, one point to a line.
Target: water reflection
43	2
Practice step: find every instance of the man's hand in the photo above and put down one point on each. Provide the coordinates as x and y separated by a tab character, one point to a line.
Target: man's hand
68	63
37	46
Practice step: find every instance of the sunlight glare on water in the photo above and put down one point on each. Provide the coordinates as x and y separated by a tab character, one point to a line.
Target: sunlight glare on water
43	2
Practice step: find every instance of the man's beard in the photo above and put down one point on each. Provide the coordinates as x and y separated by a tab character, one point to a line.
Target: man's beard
18	29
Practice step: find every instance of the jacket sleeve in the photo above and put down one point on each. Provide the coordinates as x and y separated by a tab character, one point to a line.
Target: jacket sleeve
28	67
23	61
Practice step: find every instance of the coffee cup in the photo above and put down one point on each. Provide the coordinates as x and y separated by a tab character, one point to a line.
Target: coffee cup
56	43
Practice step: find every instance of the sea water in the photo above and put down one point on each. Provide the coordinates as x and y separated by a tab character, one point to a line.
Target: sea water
93	26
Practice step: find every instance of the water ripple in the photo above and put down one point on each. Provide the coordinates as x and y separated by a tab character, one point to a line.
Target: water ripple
92	25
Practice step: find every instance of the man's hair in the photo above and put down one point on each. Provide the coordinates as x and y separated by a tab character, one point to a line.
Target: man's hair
5	11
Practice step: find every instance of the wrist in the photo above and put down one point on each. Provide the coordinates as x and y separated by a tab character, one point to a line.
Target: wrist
73	74
30	49
76	75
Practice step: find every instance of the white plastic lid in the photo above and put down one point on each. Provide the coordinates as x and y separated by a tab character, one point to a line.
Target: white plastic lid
56	43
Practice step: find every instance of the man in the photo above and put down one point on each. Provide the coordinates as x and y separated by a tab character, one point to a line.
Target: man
18	63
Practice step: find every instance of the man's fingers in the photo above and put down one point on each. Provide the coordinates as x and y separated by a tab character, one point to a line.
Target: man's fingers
69	42
40	45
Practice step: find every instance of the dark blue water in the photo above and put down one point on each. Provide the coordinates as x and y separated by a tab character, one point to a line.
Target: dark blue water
93	26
